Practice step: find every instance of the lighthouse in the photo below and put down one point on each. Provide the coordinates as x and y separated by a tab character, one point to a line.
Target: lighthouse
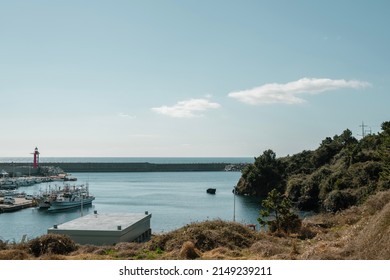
36	158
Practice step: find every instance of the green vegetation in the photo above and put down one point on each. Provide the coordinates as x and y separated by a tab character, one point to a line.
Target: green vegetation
285	220
340	173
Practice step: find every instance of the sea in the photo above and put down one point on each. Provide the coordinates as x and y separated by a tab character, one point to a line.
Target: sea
174	199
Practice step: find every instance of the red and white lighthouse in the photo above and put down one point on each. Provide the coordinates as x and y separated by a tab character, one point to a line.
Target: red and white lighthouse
36	158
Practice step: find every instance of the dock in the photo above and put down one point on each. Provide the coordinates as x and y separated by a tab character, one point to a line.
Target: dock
20	203
106	229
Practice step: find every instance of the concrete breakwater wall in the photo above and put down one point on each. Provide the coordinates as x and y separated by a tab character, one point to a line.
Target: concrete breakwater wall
119	167
138	167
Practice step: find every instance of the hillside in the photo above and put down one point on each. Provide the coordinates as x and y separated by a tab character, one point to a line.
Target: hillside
360	232
340	173
347	181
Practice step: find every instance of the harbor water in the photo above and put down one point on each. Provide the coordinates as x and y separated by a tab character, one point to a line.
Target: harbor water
173	198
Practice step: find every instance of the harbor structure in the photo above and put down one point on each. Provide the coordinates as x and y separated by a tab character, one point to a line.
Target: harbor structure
106	229
36	158
17	204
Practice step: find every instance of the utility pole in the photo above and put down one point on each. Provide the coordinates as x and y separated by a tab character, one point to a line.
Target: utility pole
363	126
234	204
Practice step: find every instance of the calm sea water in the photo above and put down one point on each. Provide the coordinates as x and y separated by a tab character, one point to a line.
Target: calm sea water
173	198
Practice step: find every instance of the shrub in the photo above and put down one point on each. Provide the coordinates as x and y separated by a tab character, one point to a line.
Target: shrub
285	220
3	245
52	244
188	251
294	186
205	236
338	200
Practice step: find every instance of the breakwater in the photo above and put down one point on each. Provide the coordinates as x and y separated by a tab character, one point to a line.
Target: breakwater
138	167
69	167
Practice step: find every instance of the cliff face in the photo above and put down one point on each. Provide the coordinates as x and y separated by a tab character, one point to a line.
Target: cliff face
340	173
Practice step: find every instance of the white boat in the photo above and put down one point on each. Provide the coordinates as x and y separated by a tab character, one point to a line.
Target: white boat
65	198
45	198
73	199
8	184
67	204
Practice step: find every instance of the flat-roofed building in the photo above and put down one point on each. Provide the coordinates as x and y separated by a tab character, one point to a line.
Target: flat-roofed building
106	229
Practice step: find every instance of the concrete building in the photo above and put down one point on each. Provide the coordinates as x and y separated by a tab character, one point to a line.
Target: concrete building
106	229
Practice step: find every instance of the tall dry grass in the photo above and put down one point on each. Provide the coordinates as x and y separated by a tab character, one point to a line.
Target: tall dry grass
373	239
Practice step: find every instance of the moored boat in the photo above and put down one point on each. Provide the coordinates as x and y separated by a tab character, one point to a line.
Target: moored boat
72	202
65	198
211	190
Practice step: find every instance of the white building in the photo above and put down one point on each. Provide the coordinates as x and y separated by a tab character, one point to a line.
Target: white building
106	229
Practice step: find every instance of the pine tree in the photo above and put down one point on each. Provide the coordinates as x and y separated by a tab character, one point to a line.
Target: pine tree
285	220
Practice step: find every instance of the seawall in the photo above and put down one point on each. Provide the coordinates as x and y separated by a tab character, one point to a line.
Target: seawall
137	167
119	167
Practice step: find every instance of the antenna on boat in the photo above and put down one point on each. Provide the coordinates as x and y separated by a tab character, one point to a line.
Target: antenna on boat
82	214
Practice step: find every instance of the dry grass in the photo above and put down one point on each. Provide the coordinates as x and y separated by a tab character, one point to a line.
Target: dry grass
205	236
188	251
223	253
268	249
373	240
356	233
14	254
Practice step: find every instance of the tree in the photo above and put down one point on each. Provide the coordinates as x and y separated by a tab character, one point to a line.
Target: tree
385	153
346	138
284	219
264	174
386	128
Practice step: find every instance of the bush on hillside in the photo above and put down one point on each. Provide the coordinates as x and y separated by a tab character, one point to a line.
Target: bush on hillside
339	200
325	175
52	244
205	236
284	219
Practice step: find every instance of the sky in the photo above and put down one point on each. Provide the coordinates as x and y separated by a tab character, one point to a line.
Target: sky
189	78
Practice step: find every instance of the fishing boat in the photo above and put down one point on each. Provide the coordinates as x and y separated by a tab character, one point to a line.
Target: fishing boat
66	198
211	190
73	199
45	198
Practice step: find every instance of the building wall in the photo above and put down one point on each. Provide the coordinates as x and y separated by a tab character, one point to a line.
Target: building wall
138	231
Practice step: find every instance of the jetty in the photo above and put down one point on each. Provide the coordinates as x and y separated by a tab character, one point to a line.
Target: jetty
54	168
20	203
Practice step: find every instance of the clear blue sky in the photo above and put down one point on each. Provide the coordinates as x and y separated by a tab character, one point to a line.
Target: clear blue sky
189	78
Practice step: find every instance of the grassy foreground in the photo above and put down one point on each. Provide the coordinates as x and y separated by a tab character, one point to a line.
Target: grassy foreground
360	232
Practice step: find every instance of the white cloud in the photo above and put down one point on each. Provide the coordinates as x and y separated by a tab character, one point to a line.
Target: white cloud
123	115
145	135
187	108
288	93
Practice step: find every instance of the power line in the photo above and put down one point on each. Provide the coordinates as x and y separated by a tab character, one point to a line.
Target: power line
364	131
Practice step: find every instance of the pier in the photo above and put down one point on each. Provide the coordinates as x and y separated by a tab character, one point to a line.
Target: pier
20	203
139	167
